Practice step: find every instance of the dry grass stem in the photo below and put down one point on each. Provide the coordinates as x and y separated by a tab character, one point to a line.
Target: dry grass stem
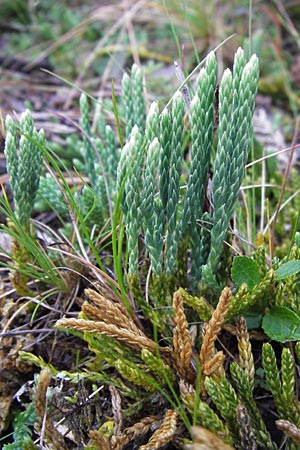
246	360
214	326
290	429
182	340
164	433
206	440
133	433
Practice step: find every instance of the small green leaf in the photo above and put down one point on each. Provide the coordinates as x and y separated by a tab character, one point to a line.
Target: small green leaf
287	269
282	324
245	270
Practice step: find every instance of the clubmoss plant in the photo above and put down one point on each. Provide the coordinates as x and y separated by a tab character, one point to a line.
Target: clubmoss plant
282	389
171	218
133	100
175	372
177	213
172	232
130	167
144	348
202	122
96	158
237	100
24	159
23	425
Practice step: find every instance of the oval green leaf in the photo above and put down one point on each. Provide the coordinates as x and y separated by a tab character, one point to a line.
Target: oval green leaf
287	269
245	270
281	324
